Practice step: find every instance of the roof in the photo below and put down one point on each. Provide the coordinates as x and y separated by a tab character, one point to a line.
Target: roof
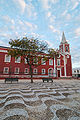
63	39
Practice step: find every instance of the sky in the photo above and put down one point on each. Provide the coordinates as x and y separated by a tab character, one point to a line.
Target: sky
42	19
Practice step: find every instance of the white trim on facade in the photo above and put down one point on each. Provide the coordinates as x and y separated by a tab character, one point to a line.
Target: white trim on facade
17	70
43	62
60	71
64	66
50	61
6	71
43	71
58	62
35	71
7	58
18	60
26	72
4	51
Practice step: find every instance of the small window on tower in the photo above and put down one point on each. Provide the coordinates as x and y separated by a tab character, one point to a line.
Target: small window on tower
66	48
58	62
61	49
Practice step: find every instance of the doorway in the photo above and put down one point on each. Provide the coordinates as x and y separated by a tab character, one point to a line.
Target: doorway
58	73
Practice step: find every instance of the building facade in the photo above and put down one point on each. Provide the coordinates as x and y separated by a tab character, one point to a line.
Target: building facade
57	67
76	72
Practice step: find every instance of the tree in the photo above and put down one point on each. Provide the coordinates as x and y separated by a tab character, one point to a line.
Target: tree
31	50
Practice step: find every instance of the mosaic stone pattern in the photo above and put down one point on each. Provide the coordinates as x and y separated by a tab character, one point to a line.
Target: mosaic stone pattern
59	100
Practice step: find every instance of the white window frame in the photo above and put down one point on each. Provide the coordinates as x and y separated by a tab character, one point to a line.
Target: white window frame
58	61
44	71
35	69
18	70
35	59
7	69
7	58
43	62
27	71
17	60
25	61
50	61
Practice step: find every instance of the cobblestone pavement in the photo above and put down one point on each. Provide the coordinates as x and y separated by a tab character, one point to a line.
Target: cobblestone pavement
59	100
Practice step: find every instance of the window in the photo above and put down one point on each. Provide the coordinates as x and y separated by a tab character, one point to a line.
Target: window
7	58
25	61
77	71
43	61
16	70
35	60
43	71
50	61
74	71
66	48
6	70
58	62
61	50
35	71
26	71
17	60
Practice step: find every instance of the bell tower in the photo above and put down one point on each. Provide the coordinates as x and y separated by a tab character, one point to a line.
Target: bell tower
66	66
64	46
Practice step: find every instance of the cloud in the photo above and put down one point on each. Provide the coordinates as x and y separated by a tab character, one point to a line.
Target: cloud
51	18
64	13
36	35
30	25
53	29
26	8
49	43
45	4
68	16
77	32
54	1
75	4
49	14
8	19
20	4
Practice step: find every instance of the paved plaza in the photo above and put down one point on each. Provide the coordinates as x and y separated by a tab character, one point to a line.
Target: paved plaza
59	100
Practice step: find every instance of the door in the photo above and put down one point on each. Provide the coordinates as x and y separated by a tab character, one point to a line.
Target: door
58	73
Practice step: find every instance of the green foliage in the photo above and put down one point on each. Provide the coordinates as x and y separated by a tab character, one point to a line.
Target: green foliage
32	50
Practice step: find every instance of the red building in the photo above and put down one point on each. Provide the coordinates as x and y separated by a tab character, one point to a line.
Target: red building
57	67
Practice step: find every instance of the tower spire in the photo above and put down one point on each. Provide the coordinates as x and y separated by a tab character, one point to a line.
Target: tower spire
63	38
